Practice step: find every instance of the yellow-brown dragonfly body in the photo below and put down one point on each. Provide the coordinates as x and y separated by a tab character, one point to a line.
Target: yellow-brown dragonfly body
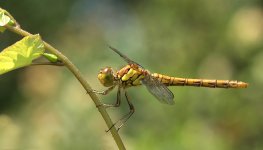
132	77
134	74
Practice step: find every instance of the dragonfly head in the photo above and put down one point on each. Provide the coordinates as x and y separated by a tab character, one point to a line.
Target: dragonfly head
106	77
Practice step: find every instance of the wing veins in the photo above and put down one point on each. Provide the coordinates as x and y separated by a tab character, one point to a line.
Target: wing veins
158	89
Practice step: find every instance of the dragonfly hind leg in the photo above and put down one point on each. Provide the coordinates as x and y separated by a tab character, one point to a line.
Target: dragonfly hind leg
126	117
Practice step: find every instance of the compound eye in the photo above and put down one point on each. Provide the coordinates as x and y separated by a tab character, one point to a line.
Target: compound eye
106	76
107	70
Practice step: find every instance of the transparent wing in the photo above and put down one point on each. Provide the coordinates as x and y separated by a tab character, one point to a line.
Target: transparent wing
128	60
159	90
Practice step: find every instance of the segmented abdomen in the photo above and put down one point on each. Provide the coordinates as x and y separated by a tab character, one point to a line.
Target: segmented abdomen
174	81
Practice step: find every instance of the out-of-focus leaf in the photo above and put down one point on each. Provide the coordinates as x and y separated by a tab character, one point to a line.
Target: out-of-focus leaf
21	53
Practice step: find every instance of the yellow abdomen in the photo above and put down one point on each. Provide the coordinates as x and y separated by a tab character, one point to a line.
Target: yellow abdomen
174	81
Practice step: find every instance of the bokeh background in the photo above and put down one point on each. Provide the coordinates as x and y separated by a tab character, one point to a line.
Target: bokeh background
45	108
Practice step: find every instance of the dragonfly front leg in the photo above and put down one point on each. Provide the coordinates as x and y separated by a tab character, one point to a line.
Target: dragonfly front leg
124	119
105	92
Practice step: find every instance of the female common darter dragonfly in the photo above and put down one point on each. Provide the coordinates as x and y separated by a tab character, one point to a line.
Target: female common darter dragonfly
134	74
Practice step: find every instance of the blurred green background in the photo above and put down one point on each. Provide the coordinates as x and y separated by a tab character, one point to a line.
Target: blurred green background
45	108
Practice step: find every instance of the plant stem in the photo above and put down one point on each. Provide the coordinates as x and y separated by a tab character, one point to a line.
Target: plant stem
82	81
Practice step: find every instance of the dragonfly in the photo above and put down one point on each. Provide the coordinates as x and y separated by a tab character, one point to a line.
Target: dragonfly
133	74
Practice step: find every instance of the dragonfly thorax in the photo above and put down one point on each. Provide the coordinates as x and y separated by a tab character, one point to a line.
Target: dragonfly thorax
131	75
106	77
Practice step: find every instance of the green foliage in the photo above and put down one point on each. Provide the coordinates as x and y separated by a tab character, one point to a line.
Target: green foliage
21	54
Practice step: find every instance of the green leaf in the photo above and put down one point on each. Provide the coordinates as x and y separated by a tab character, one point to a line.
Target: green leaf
21	54
51	57
4	20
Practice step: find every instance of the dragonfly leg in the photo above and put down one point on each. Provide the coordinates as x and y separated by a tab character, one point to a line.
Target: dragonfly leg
132	110
118	101
126	117
105	92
